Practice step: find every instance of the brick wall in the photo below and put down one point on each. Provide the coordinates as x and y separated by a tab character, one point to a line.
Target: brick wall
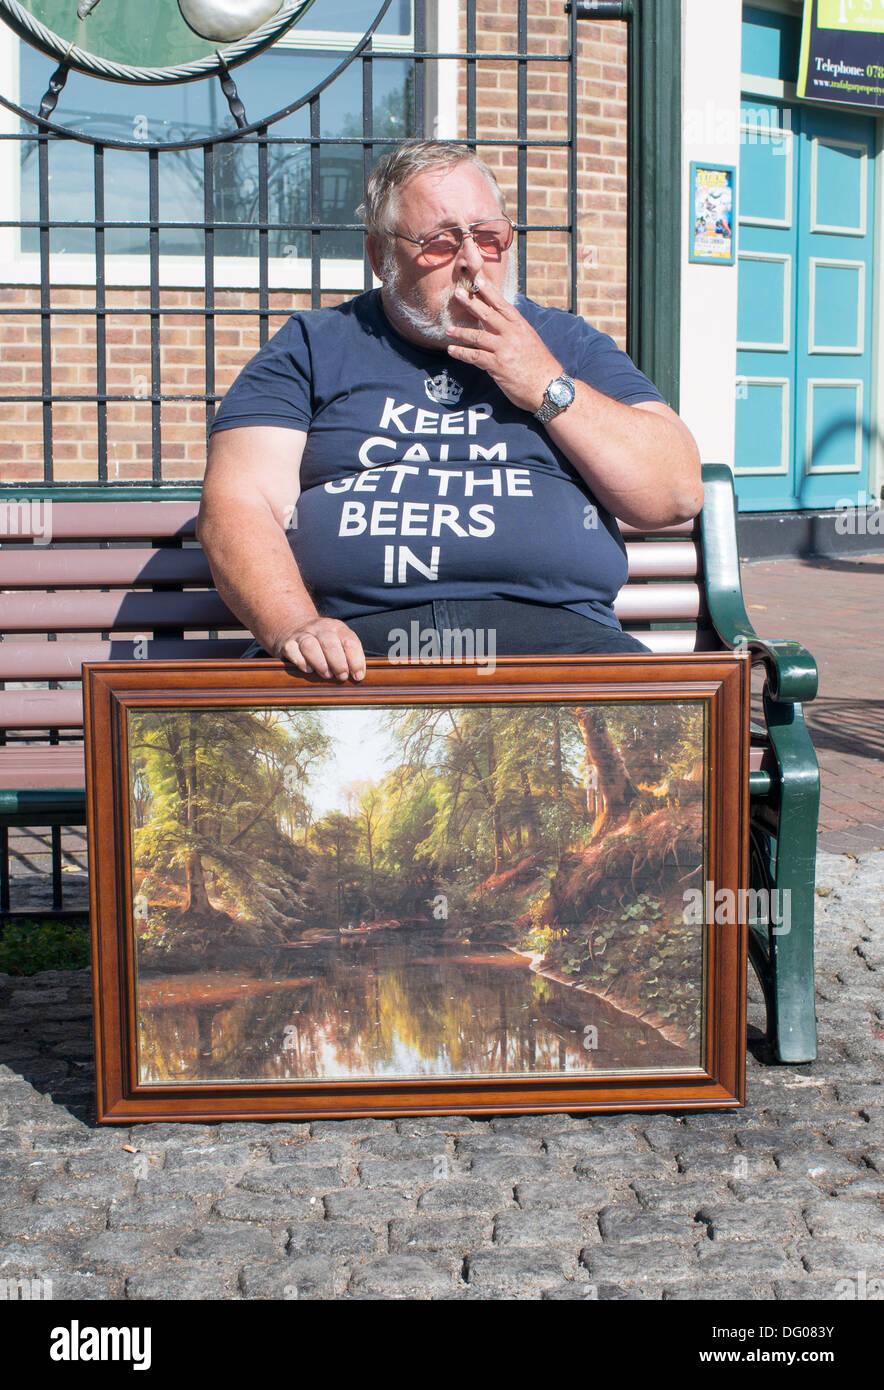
601	249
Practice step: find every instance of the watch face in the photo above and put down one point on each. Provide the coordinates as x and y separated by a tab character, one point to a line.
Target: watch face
561	393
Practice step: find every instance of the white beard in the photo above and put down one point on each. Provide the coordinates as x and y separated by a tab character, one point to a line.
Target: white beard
432	327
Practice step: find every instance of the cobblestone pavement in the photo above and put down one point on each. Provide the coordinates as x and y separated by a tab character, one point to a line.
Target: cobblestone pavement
780	1200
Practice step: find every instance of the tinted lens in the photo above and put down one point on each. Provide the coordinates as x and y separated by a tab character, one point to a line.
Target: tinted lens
441	248
493	238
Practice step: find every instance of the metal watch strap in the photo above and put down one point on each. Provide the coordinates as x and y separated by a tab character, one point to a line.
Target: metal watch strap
549	410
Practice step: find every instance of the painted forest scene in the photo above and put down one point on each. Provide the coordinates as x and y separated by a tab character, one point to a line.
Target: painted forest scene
416	890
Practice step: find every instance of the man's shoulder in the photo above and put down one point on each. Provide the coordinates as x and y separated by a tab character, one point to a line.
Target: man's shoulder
558	321
361	312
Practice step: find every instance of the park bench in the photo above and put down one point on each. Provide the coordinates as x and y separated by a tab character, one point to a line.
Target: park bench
115	573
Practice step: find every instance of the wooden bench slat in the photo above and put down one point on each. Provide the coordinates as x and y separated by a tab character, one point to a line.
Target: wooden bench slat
61	661
36	568
30	766
664	603
41	709
663	559
99	521
86	611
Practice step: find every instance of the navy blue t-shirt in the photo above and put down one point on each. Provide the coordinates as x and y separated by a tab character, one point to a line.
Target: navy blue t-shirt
420	480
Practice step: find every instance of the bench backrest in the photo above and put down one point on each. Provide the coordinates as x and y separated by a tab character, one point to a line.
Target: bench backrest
116	579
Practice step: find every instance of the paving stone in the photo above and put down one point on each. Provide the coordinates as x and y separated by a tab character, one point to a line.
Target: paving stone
82	1288
372	1208
498	1145
822	1164
664	1133
32	1222
290	1177
589	1143
843	1258
625	1264
465	1197
724	1163
792	1192
138	1215
746	1257
37	1259
338	1238
534	1229
278	1209
845	1220
350	1129
85	1192
730	1291
311	1277
410	1174
442	1124
123	1249
458	1234
182	1280
582	1195
585	1291
231	1243
810	1288
624	1167
198	1183
623	1225
516	1271
406	1276
680	1196
751	1221
429	1147
316	1152
513	1168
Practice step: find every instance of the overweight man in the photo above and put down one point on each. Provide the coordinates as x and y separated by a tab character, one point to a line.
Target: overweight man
440	450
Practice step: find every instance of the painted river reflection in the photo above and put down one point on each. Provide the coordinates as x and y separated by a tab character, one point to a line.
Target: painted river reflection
408	1005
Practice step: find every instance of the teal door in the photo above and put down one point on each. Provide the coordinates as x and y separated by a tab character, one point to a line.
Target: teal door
805	306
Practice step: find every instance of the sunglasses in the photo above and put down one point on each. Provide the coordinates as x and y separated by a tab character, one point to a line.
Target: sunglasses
491	238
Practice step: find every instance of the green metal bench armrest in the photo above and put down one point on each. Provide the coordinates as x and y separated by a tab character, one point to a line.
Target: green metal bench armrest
791	670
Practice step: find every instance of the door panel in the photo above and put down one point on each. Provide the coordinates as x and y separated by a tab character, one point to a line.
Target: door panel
806	261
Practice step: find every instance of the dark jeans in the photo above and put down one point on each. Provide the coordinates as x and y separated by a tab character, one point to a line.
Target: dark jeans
521	629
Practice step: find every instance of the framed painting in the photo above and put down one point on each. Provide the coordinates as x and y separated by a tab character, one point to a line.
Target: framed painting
439	890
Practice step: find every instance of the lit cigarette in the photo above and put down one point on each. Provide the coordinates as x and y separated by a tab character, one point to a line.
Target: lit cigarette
468	285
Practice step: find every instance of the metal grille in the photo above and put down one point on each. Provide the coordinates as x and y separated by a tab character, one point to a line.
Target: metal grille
309	174
269	192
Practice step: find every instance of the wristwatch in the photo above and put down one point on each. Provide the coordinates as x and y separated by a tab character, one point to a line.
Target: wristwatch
556	398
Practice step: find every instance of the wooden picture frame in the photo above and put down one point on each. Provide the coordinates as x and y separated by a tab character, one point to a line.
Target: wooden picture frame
498	904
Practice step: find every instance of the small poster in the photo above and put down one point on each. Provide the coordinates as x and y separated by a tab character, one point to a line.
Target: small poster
842	52
712	200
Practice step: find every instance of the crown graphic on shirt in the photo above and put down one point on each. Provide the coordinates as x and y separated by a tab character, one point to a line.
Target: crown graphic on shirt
443	389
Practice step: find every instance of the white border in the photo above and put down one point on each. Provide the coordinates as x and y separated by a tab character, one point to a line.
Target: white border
786	344
785	383
831	141
816	383
815	348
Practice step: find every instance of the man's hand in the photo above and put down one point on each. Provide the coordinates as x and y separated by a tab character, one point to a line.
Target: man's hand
326	646
505	345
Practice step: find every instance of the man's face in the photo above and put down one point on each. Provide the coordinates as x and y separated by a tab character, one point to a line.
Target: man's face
419	299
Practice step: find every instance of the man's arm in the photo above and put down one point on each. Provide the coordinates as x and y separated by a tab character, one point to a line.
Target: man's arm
640	461
249	494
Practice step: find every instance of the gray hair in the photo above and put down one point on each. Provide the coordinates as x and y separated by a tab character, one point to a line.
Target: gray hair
412	157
